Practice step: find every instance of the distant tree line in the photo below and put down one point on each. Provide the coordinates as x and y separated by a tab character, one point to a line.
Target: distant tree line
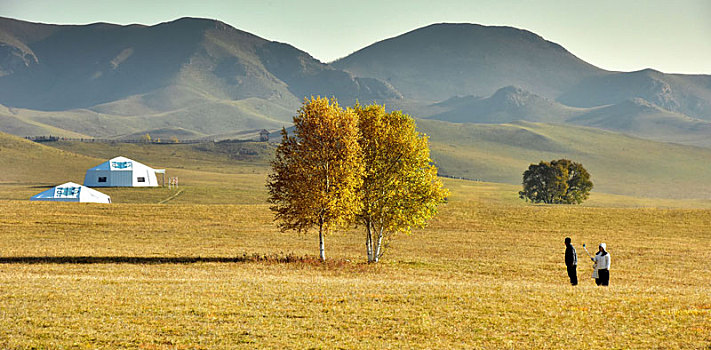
144	139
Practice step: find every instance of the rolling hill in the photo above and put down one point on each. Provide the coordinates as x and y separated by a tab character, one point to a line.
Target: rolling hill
618	164
30	163
202	78
444	60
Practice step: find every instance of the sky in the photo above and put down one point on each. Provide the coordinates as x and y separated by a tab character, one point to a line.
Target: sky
672	36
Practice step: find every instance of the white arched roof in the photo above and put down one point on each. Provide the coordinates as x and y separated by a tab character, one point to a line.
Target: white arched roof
71	192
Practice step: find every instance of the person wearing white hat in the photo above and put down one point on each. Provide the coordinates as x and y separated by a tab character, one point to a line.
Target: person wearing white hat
602	262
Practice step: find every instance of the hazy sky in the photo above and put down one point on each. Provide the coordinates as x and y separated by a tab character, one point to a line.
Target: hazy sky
673	36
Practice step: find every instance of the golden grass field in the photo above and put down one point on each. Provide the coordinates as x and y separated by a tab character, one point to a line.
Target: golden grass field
487	272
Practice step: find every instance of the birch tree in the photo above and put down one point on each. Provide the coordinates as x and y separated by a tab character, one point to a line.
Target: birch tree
400	188
316	172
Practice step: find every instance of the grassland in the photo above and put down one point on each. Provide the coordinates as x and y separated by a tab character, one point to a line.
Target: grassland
486	273
209	269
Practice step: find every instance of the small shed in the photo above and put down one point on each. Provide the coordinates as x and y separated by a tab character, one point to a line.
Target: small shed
71	192
122	172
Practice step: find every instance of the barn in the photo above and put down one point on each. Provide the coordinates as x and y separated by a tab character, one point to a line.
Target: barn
71	192
122	172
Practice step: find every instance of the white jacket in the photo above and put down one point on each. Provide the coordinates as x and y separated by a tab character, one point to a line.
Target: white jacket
602	261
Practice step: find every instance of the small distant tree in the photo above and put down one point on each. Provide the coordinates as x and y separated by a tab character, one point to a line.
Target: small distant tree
557	182
316	171
400	188
146	138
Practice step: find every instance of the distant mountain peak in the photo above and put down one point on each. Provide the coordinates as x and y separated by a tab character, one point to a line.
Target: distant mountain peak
468	28
648	71
448	59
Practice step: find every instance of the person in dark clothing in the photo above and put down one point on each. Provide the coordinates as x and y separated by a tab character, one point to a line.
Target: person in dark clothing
571	262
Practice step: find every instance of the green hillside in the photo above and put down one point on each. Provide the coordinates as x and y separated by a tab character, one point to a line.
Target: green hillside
31	163
618	164
17	121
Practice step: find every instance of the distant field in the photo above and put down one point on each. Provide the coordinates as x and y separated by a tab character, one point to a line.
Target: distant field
486	273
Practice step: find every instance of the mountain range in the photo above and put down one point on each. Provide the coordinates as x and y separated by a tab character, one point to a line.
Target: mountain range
106	80
194	78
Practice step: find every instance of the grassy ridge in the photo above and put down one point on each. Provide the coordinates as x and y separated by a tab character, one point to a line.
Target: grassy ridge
618	164
486	273
27	162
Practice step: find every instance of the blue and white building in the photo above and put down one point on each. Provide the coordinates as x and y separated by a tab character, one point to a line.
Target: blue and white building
71	192
122	172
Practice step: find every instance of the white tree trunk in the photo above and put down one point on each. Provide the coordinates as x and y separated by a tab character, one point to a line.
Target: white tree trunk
379	247
321	245
369	242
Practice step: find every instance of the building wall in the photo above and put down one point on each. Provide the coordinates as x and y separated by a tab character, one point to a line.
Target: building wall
121	178
91	178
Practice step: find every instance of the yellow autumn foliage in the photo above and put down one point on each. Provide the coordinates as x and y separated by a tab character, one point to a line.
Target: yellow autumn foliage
316	171
400	188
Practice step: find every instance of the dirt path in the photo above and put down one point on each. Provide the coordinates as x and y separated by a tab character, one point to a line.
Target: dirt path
176	194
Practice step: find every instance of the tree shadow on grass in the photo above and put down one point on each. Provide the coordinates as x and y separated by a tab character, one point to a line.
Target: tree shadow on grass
141	260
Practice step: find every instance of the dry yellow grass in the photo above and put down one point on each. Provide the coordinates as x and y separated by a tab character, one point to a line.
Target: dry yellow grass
487	273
